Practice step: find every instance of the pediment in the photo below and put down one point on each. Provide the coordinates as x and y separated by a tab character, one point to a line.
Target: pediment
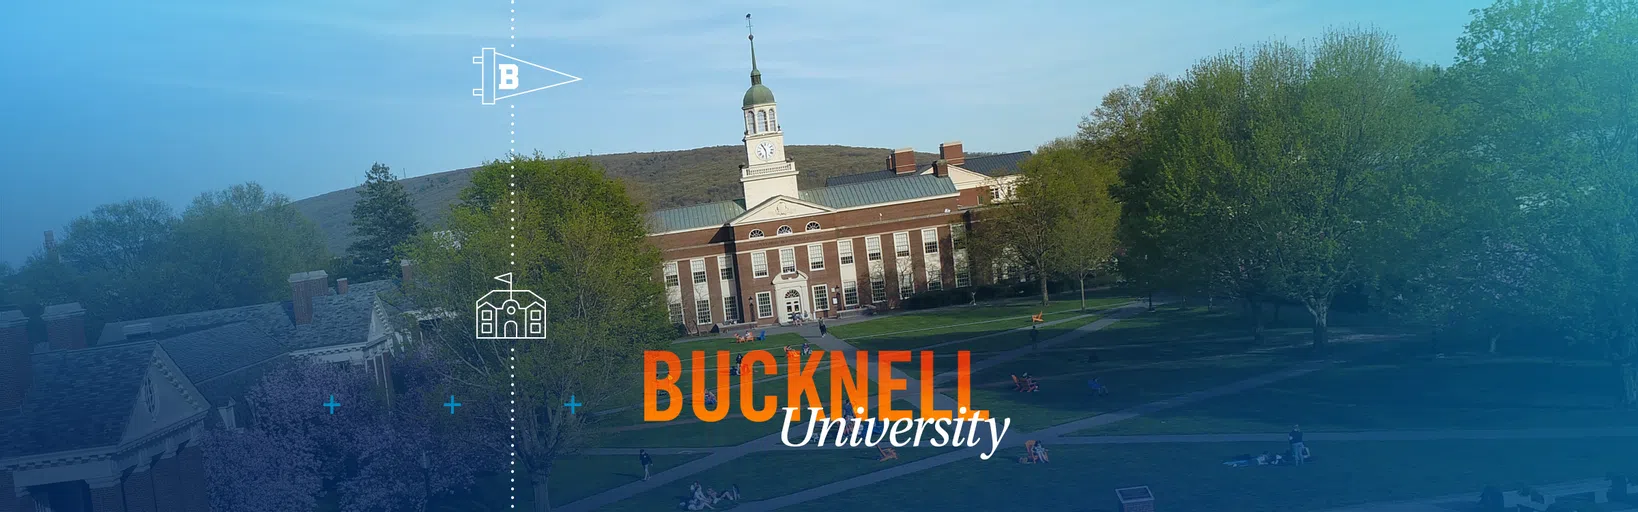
779	207
965	179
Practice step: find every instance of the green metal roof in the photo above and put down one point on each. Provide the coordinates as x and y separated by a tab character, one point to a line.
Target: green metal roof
880	191
758	94
838	197
696	216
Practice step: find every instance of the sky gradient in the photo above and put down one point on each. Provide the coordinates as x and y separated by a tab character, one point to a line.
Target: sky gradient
108	100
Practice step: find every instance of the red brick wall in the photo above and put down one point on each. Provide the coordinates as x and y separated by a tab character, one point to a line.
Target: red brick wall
107	499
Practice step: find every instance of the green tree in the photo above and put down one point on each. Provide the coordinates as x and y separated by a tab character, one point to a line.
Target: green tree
1077	182
383	219
120	250
238	246
1546	94
580	242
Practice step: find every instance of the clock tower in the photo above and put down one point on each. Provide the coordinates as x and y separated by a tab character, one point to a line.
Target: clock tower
768	172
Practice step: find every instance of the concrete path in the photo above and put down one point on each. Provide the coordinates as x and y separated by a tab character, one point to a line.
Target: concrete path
719	456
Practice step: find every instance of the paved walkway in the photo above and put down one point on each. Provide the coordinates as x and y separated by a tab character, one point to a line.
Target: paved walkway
719	456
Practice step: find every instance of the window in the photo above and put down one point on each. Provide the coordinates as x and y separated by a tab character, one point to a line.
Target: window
764	304
958	236
785	230
935	277
812	226
963	275
901	245
702	311
671	274
873	248
698	268
878	290
816	256
676	313
730	309
844	248
773	124
148	396
821	298
907	284
850	294
995	193
755	233
787	260
759	264
725	267
761	121
750	122
929	241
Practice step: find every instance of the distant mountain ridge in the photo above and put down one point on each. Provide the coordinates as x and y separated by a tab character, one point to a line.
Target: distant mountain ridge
661	179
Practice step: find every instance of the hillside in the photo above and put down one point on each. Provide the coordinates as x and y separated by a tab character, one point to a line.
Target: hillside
662	180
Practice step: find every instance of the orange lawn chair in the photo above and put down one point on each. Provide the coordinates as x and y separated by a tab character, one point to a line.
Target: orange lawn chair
1017	385
887	454
1037	318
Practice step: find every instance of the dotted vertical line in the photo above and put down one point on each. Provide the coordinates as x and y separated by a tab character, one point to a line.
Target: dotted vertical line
512	243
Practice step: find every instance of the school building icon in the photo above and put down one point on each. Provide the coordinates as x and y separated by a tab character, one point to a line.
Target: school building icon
510	314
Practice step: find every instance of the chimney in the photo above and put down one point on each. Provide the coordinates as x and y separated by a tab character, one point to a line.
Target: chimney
304	286
65	326
941	168
50	242
407	268
341	286
904	161
951	152
16	372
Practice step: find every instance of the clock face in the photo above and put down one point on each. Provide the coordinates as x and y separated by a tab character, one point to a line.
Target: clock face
765	151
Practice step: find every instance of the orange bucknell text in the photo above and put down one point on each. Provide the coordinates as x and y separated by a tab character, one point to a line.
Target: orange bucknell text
663	396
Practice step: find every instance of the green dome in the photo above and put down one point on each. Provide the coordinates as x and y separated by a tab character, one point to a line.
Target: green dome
758	94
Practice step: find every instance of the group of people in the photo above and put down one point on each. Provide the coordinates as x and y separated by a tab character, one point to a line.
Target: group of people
706	498
1295	456
1026	384
1035	452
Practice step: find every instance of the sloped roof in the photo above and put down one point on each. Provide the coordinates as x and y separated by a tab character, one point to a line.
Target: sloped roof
989	165
337	320
78	399
841	196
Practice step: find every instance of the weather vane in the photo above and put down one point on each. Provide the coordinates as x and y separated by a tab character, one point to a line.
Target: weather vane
750	34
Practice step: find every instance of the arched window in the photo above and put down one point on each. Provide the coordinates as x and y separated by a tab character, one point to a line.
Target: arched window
773	124
785	230
812	226
750	123
756	233
792	294
761	121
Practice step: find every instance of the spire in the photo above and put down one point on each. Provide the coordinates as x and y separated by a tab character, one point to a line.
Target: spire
756	76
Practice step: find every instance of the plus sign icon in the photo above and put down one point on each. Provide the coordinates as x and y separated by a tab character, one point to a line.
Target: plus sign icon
504	76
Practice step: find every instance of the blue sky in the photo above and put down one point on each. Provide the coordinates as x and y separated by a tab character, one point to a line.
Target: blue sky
109	100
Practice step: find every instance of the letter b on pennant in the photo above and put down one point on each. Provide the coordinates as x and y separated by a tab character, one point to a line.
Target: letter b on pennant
506	76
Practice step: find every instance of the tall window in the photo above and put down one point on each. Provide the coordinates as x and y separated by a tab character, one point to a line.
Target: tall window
844	249
873	248
929	241
702	311
816	256
962	274
785	230
812	226
901	245
850	294
958	236
725	267
759	264
676	311
730	309
773	124
761	121
878	290
697	267
787	260
750	122
935	277
907	284
764	304
148	396
671	274
821	298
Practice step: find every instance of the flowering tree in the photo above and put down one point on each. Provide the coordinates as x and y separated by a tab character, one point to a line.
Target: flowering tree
379	452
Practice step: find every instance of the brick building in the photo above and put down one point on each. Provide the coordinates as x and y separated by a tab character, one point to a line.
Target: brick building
865	240
115	426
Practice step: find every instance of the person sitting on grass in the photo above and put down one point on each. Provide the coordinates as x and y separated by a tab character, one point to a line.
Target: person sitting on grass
733	493
710	399
1029	384
887	454
733	371
1264	459
806	350
1041	452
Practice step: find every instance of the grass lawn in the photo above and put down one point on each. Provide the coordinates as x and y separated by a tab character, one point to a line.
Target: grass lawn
574	477
1384	394
775	344
1082	478
770	474
941	318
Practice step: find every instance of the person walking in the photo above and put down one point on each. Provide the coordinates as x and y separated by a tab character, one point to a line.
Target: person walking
822	329
1034	334
1295	437
642	456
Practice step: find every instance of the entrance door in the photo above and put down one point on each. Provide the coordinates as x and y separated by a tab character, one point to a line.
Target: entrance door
793	305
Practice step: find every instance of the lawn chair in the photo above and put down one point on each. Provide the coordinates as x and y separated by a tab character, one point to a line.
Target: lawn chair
887	454
762	335
1097	387
1017	385
1029	453
1037	318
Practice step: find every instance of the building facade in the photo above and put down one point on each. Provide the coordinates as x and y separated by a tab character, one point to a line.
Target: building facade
864	241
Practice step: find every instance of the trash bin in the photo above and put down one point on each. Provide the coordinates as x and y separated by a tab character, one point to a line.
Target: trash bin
1136	499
